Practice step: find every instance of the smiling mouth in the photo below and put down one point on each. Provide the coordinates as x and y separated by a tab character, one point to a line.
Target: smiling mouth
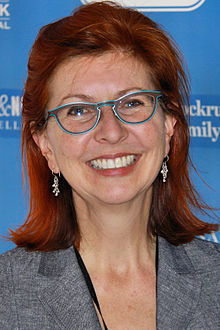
119	162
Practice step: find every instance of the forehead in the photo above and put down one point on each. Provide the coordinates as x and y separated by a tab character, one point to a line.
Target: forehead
99	75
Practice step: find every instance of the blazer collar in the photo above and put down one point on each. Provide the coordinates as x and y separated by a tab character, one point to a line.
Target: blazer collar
178	287
65	295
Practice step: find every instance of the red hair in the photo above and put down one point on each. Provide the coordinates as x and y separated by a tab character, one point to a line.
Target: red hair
92	30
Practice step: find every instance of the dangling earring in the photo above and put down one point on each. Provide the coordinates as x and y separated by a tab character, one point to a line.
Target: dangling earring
55	185
164	170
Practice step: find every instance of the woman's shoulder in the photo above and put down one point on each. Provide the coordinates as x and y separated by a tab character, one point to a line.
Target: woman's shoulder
20	261
16	264
204	245
203	253
198	255
18	258
188	285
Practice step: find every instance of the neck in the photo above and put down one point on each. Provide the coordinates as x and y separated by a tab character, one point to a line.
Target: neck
115	237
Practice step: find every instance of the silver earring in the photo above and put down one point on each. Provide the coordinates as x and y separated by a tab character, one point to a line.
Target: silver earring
164	170
55	185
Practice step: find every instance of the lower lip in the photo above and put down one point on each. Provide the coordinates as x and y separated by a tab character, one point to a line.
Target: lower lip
122	171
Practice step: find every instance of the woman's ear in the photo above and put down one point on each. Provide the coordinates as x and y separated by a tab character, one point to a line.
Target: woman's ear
170	122
42	141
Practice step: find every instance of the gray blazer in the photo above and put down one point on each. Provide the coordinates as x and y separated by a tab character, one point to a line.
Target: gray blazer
46	290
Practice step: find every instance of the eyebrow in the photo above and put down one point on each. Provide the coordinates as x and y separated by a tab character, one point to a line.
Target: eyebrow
91	99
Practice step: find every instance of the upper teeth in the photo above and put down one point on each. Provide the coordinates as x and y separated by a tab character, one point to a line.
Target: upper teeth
113	163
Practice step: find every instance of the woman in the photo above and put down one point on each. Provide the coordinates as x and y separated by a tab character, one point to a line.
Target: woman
109	241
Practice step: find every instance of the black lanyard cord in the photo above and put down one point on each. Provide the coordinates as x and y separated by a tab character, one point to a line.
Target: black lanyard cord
89	281
89	284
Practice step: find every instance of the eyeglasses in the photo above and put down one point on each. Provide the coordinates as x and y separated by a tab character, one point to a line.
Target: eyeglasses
79	117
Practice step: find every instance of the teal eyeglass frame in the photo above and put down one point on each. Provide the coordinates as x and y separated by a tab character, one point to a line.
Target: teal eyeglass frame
53	113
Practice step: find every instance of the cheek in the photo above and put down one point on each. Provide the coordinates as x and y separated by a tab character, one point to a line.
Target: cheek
62	145
68	149
152	135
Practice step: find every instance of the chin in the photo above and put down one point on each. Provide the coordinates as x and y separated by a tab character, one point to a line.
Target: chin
118	197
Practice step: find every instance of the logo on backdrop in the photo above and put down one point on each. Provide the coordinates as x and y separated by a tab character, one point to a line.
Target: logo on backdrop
10	113
5	15
204	114
159	5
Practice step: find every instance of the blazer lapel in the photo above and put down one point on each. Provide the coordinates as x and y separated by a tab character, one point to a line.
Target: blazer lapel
65	295
178	287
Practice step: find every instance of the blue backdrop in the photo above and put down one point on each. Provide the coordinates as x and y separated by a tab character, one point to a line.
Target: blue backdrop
193	24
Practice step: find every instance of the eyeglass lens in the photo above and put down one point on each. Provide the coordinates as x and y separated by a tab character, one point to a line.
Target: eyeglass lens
81	117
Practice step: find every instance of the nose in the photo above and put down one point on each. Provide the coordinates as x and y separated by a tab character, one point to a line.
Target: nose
109	129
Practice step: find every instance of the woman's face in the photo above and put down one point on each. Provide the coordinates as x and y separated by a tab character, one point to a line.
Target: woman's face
97	79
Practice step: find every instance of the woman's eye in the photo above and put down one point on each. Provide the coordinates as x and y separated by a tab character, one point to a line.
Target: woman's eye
134	103
76	111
